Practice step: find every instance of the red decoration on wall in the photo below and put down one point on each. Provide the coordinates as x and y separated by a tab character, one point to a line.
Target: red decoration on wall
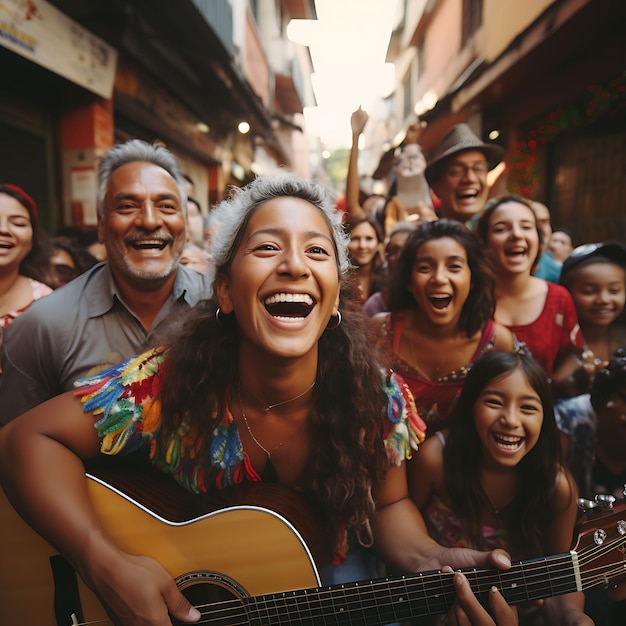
598	102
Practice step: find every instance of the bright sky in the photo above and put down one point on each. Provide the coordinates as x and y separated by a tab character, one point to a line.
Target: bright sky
348	45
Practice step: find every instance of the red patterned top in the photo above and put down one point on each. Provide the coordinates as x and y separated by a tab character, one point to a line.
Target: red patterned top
555	334
433	398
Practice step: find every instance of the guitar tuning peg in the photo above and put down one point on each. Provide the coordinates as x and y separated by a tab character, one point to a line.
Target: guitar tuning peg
601	501
586	505
605	501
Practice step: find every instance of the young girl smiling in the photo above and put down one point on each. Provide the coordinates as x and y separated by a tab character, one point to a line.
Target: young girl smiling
494	478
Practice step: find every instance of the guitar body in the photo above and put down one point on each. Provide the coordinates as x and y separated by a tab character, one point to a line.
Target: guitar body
243	550
254	563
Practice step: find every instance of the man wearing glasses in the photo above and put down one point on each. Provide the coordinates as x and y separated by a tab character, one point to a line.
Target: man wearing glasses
458	170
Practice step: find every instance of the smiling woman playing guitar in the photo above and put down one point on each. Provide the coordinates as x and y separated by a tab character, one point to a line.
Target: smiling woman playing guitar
270	380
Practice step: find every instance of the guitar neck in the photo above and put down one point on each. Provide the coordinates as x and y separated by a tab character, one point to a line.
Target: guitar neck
417	595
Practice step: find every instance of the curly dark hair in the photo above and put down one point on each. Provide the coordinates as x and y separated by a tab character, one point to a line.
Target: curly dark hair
531	509
480	304
348	415
347	457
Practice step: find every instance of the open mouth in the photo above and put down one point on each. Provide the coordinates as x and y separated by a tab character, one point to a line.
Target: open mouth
515	252
467	195
507	442
440	302
6	245
149	244
289	305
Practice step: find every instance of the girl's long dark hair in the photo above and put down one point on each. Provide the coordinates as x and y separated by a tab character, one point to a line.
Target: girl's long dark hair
480	304
532	509
347	457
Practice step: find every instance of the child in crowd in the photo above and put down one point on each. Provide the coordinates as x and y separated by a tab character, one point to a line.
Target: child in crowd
494	478
595	275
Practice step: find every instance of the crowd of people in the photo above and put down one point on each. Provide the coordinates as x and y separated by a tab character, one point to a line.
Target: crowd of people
561	304
403	366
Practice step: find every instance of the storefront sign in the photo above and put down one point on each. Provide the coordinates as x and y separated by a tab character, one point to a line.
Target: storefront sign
38	31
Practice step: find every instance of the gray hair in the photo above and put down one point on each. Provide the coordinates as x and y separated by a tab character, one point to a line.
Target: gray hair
230	218
138	150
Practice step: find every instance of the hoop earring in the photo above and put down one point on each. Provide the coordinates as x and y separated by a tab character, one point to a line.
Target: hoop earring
218	312
336	324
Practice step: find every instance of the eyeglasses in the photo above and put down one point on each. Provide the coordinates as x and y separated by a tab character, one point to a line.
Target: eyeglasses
458	170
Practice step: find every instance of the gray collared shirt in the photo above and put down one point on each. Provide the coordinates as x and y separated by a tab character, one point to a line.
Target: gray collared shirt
77	330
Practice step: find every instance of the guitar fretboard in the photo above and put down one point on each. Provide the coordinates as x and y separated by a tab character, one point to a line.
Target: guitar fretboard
387	600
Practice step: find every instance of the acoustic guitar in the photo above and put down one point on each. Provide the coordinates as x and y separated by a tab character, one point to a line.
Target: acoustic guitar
253	563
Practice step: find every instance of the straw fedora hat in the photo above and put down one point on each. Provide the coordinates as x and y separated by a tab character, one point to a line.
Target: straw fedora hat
458	139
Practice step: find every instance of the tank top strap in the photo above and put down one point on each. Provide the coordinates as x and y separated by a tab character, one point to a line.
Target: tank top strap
395	324
487	339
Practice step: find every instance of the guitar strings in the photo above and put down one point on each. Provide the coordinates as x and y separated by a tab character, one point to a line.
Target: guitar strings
320	600
238	609
539	577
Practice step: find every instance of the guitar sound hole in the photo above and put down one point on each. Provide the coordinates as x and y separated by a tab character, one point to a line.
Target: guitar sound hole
214	595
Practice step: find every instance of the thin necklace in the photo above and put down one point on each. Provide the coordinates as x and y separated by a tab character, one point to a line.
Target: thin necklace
269	407
437	369
268	453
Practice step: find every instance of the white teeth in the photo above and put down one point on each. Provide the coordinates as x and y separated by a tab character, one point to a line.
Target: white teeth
290	297
509	439
149	242
508	442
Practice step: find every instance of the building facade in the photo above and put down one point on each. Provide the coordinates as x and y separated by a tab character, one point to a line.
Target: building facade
545	79
81	75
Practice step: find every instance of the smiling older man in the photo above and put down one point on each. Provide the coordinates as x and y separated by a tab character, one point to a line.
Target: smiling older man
457	172
118	307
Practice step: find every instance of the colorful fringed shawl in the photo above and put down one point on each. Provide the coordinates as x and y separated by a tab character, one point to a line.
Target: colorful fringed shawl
125	398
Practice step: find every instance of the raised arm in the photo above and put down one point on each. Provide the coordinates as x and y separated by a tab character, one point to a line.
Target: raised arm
358	119
415	131
42	472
